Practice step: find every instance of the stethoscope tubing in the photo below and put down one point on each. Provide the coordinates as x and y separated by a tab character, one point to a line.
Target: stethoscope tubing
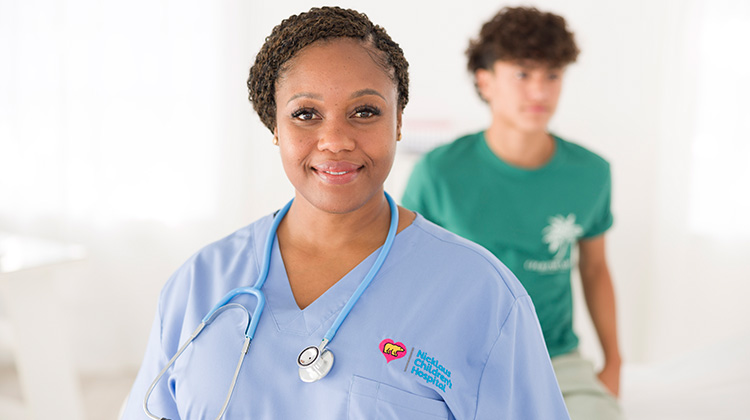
207	320
384	251
255	290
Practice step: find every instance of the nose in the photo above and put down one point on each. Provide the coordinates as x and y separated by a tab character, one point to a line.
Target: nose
538	88
335	136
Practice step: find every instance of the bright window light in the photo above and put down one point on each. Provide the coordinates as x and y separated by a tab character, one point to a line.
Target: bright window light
720	170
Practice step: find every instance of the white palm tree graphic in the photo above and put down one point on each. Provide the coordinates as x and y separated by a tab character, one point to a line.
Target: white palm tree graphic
561	233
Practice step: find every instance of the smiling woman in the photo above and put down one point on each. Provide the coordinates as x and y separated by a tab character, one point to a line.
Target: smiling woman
341	263
337	142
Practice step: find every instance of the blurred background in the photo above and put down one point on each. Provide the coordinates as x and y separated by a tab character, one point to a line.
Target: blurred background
127	143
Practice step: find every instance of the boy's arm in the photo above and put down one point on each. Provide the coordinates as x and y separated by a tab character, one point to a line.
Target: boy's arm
600	300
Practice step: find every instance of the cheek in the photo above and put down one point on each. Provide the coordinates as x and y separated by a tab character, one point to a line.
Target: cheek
553	96
389	153
558	90
508	96
286	163
293	142
292	153
292	158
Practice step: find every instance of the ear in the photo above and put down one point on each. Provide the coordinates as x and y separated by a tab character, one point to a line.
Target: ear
484	79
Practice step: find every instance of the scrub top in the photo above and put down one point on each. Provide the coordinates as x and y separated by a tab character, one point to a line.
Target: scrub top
444	331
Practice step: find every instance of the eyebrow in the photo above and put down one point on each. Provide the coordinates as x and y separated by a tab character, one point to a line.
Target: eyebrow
365	92
305	95
357	94
532	65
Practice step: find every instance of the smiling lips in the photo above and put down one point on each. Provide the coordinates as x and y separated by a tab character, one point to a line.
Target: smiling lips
335	172
537	109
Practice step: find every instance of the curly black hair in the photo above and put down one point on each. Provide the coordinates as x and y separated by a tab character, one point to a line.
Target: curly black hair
522	33
298	31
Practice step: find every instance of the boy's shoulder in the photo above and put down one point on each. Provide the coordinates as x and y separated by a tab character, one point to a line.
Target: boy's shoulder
449	153
580	155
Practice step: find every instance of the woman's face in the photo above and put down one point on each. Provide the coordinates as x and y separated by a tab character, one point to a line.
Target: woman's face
337	120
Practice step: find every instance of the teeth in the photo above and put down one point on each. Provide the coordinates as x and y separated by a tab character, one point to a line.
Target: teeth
335	173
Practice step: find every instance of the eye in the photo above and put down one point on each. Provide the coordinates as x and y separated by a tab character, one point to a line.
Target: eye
553	76
305	114
366	111
521	75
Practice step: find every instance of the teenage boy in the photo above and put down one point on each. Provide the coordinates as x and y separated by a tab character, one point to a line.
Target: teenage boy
529	196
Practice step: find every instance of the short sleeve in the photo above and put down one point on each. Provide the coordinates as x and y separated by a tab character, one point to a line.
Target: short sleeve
518	381
603	218
419	194
163	342
161	402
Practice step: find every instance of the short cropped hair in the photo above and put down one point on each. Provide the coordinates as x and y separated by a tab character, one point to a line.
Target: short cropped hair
520	34
325	23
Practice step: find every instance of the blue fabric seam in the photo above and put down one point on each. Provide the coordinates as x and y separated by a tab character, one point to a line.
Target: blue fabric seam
500	274
494	344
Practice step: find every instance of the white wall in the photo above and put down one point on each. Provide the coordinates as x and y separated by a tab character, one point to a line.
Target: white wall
126	128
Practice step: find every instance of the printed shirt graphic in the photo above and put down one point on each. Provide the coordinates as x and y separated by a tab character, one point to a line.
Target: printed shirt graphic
560	235
530	219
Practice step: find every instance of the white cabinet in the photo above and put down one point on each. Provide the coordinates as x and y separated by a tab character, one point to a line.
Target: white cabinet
32	273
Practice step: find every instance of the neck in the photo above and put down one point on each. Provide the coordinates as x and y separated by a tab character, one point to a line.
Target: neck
315	229
526	149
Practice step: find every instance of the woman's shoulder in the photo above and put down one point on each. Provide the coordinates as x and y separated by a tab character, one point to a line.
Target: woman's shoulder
434	272
452	258
245	239
241	248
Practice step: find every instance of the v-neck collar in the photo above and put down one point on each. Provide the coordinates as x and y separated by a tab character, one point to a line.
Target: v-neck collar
288	317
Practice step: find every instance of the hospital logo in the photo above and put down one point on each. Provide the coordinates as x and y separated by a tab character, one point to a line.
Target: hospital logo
560	236
392	350
429	369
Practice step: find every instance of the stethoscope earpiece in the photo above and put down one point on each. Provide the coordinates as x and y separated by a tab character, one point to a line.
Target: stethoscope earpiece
314	363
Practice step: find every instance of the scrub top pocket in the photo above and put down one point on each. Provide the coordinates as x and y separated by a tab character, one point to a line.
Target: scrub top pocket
373	400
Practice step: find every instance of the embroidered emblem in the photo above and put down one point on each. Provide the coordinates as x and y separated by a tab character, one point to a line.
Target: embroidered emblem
392	350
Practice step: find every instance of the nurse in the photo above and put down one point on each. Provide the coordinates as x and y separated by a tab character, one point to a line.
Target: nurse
441	329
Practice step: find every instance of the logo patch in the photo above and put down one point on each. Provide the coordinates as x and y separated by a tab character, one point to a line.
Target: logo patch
392	350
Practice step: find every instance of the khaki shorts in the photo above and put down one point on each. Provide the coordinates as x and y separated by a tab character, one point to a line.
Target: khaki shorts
585	397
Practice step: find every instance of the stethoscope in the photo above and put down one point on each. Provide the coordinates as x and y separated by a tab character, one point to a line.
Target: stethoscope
314	362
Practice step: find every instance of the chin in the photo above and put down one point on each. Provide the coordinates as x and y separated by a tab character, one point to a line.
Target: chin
337	203
535	126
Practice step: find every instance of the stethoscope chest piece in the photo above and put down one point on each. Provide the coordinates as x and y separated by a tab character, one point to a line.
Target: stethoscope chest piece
314	364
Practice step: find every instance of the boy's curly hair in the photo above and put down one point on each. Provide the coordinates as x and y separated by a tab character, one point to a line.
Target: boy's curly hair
298	31
522	33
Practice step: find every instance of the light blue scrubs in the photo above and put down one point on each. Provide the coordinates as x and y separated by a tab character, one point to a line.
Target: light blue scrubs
444	331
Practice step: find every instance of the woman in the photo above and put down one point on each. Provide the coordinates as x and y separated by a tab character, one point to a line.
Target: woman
423	324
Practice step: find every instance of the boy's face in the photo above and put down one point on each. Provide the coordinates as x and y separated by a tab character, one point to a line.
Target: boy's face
521	94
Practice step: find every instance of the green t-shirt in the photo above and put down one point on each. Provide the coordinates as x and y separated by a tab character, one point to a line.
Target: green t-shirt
530	219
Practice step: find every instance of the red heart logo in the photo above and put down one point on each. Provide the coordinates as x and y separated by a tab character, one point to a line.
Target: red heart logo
392	350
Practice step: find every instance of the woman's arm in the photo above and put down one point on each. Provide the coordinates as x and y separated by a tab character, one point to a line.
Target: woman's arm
518	381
